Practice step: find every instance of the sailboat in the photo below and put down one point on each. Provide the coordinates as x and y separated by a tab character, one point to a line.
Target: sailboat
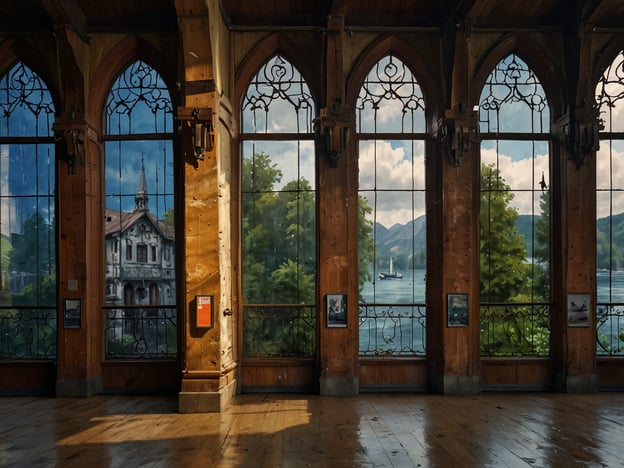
384	275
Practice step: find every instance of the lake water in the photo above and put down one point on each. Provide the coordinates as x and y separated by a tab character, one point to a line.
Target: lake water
400	330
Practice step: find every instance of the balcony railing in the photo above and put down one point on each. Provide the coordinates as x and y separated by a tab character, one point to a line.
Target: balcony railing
393	330
515	329
610	329
28	333
279	330
141	332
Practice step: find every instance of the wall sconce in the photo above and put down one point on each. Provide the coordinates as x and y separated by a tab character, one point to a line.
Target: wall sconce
457	130
333	128
199	122
580	129
72	132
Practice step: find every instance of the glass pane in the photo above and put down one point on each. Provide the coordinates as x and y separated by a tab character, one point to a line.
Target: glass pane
287	161
26	107
278	100
390	100
513	100
609	94
139	102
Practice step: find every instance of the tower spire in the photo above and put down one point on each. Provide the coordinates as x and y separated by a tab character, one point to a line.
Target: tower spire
141	199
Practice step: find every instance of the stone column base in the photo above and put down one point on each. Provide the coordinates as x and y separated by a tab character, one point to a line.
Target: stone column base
206	402
587	383
456	384
77	388
339	386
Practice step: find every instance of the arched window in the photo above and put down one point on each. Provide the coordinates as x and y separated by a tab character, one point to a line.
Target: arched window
278	214
390	117
514	212
27	217
139	210
610	211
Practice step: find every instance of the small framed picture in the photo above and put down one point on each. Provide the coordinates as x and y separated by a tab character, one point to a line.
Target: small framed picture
72	313
457	311
578	310
336	310
204	311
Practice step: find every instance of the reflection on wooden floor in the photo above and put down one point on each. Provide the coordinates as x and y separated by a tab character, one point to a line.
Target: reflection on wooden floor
372	430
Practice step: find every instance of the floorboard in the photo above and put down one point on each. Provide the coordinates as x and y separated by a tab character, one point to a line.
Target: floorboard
291	430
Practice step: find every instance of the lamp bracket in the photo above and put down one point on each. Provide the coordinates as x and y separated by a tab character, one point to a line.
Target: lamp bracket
457	130
73	132
333	127
579	132
197	122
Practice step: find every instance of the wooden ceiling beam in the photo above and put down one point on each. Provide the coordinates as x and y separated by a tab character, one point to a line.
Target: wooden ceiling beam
67	13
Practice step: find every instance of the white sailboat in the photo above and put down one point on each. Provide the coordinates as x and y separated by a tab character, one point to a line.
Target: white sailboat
390	274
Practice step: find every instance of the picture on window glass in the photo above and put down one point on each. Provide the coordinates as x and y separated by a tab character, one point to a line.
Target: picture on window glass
457	310
336	310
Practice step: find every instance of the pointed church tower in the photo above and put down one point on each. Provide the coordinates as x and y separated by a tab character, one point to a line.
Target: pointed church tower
141	199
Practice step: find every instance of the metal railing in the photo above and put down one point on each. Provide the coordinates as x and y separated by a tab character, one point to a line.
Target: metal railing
610	329
392	330
515	329
141	332
28	332
279	330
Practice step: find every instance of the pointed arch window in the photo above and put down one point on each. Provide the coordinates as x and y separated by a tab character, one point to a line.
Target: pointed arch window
278	213
610	211
391	132
27	217
514	119
138	137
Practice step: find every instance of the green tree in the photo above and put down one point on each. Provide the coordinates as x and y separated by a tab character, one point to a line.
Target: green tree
504	270
541	250
507	278
33	251
366	244
169	217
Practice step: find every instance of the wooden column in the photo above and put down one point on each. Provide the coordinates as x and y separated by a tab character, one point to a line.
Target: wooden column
337	221
80	229
574	177
455	358
208	381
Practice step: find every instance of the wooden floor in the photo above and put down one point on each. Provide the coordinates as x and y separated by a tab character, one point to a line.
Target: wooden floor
267	430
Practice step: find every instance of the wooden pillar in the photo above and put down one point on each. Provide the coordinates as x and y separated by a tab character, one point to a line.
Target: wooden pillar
455	358
80	230
574	343
208	381
337	221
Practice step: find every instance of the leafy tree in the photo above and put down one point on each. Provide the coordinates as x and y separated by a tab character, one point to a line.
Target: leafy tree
541	250
169	217
33	251
508	278
366	244
504	271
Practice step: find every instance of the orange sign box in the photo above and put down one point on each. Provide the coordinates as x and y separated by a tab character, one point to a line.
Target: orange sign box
204	312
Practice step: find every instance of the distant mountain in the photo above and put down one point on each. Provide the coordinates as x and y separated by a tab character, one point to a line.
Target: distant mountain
401	240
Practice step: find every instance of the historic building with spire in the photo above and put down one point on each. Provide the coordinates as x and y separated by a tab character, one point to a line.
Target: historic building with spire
140	254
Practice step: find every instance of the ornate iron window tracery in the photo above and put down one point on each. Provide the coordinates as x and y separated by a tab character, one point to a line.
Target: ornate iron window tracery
139	86
512	83
277	86
391	87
